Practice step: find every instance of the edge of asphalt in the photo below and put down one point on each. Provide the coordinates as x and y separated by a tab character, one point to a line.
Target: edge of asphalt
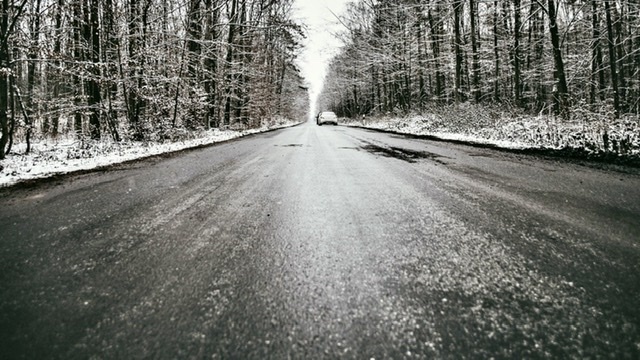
54	177
604	161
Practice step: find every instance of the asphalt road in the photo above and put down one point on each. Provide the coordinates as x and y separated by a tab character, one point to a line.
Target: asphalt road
324	242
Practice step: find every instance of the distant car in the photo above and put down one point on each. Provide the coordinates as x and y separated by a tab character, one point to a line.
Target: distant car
326	117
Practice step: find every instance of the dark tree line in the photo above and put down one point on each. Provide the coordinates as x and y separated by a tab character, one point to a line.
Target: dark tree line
551	55
145	69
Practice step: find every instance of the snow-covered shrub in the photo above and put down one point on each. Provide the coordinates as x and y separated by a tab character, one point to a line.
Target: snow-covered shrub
595	131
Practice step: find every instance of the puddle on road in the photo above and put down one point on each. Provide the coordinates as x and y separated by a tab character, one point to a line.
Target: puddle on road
407	155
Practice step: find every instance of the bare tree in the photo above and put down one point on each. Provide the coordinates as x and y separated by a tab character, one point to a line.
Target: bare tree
612	57
10	14
473	14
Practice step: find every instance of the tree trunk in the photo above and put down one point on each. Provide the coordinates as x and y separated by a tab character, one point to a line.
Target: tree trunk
517	87
94	99
458	6
636	67
78	56
194	31
8	19
407	69
57	50
110	57
619	38
233	18
562	90
612	58
12	124
541	89
135	62
434	24
240	76
473	12
496	54
4	85
421	64
211	64
31	75
4	77
597	75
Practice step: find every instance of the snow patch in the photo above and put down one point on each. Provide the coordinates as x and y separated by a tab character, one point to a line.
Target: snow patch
50	157
481	126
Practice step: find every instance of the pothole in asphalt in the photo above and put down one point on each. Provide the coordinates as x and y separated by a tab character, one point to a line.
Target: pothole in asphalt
407	155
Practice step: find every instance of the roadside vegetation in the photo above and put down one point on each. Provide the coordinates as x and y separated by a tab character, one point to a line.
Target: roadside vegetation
583	134
551	74
105	73
51	157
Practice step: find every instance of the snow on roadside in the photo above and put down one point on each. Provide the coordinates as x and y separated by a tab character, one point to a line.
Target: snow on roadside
412	127
616	137
54	157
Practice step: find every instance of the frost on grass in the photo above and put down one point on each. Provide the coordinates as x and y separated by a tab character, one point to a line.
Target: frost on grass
592	133
62	155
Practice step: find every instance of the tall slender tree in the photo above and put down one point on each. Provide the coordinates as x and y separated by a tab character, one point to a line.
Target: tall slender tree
458	9
473	15
613	62
517	86
10	14
562	90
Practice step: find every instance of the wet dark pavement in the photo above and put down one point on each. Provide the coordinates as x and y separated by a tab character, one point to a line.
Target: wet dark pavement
324	242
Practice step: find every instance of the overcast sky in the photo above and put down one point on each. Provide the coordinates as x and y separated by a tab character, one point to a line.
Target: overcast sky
321	43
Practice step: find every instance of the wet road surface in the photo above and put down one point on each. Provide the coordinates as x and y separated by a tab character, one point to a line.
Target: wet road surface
324	242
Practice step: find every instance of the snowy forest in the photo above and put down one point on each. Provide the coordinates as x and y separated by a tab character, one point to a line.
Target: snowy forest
145	69
537	73
566	59
402	54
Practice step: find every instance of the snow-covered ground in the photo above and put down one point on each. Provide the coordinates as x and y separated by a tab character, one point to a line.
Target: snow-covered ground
583	134
50	157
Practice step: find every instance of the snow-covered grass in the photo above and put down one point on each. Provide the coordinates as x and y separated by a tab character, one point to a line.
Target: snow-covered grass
50	157
583	132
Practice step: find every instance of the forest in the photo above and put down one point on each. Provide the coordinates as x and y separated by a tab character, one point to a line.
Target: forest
145	69
163	70
562	58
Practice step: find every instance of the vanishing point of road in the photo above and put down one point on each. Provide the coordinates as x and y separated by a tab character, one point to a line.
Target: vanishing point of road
324	242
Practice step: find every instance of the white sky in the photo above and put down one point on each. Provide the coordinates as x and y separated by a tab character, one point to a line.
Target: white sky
321	44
